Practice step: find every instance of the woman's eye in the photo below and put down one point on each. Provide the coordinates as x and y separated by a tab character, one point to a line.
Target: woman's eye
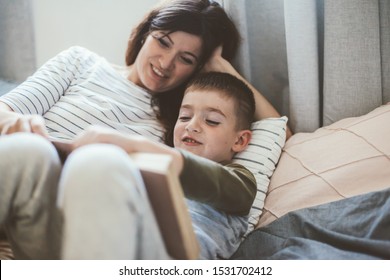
212	123
187	60
163	42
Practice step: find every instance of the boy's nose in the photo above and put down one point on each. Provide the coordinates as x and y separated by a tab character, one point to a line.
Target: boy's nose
191	129
193	126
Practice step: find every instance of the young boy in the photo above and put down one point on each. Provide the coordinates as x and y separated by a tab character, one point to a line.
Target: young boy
213	124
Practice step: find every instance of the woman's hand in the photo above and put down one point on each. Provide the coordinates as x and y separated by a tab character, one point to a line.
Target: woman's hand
217	63
97	134
264	109
11	122
128	142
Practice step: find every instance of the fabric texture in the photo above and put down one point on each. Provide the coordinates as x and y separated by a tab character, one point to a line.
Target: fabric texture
226	186
5	249
28	213
351	228
219	234
347	158
261	157
302	27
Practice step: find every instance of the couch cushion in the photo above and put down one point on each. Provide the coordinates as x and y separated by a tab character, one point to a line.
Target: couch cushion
347	158
6	86
260	157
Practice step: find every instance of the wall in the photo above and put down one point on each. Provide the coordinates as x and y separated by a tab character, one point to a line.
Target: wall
102	26
17	49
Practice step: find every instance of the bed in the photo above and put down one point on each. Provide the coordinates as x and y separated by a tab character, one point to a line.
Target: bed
329	196
352	228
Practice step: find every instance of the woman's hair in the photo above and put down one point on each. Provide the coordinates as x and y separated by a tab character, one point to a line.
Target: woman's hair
230	87
203	18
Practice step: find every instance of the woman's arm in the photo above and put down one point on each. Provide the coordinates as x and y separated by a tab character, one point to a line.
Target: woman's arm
42	90
22	108
264	109
130	143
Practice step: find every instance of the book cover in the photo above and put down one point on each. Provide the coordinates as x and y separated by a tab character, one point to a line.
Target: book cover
167	199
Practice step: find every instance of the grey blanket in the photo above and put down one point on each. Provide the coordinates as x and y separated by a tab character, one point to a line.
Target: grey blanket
352	228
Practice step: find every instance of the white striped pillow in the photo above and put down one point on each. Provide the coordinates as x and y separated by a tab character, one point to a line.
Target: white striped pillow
261	157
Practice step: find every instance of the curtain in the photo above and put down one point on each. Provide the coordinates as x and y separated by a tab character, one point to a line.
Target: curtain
316	61
17	47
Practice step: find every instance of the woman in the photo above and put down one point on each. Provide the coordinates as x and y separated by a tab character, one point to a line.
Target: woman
77	88
151	52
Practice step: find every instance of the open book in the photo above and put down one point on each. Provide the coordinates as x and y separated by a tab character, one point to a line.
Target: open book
167	200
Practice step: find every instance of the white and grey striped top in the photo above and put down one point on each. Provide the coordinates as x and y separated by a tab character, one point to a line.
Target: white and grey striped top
78	88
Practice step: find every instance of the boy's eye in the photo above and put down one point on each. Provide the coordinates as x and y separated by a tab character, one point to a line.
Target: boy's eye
212	123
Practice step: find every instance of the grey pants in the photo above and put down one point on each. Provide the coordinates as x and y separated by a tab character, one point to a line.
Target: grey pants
29	172
103	211
105	208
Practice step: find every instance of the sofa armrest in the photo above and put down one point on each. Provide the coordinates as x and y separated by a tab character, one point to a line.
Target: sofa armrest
6	86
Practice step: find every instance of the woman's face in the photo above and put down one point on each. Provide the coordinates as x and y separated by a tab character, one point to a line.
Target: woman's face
166	60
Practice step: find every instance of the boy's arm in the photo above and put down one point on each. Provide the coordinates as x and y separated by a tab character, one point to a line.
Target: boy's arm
230	188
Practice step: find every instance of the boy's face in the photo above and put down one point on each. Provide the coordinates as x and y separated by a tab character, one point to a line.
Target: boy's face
206	126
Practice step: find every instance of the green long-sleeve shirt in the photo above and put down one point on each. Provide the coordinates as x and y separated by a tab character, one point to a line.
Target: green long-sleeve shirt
228	186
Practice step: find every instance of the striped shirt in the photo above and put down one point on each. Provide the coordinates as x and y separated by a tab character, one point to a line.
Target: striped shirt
78	88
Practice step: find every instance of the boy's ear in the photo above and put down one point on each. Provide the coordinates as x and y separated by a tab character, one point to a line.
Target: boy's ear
243	138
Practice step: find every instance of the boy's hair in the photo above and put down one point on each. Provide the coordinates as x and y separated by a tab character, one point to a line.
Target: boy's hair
231	87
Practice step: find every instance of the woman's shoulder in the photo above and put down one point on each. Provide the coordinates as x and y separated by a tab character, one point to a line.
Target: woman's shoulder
79	49
76	56
79	53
